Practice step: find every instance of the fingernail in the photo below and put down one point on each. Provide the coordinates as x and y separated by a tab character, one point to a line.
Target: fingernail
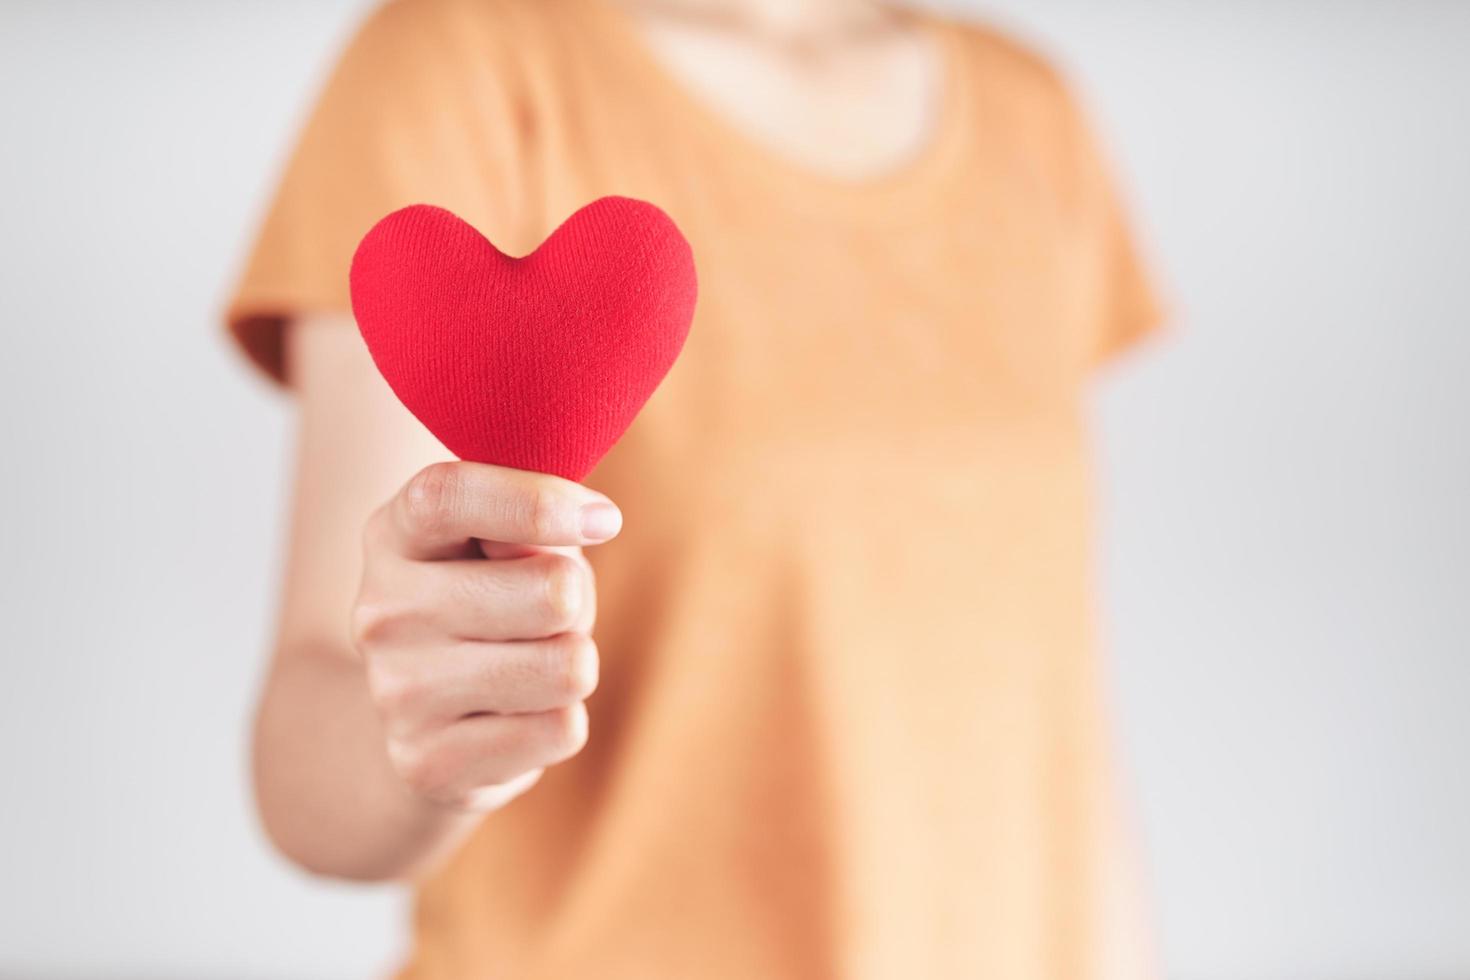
600	521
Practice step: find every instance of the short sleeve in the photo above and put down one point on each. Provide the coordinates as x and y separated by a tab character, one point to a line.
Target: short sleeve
1131	310
1128	308
401	120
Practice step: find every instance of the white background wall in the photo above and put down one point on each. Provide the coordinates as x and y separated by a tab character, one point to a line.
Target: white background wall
1285	485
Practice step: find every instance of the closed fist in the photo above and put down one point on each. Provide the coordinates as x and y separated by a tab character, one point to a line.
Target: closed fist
474	620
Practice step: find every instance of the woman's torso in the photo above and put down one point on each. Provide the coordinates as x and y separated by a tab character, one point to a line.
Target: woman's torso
848	723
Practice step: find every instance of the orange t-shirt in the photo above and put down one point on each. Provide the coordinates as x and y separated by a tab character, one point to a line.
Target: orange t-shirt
850	722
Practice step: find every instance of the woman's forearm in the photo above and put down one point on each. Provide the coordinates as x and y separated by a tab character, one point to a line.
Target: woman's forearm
411	694
328	797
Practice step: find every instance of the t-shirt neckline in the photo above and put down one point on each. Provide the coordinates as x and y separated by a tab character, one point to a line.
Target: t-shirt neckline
902	186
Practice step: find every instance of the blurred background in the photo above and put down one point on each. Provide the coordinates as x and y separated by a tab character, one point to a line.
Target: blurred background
1285	484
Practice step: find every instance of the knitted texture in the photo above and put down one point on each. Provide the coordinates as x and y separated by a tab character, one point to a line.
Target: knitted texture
537	363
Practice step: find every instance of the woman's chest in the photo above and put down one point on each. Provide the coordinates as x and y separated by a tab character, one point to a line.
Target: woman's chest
806	334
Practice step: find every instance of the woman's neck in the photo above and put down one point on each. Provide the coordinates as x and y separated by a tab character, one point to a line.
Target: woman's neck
848	88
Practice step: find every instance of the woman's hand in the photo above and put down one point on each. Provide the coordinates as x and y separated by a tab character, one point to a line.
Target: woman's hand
473	622
379	742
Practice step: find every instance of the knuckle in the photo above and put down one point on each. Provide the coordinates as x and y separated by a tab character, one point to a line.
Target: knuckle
370	624
541	513
394	694
574	666
566	732
426	771
430	497
562	581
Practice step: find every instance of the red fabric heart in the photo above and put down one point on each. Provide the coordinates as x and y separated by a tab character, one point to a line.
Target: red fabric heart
538	363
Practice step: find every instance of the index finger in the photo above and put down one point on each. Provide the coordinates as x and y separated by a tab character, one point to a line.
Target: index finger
447	505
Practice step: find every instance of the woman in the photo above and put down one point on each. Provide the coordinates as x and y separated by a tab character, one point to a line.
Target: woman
848	722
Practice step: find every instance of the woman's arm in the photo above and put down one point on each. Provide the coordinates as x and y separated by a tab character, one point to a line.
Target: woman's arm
415	684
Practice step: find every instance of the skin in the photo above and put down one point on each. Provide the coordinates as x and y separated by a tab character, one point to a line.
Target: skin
434	649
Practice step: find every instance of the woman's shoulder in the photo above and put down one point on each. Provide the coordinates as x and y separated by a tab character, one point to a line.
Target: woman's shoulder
503	17
1005	58
485	32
